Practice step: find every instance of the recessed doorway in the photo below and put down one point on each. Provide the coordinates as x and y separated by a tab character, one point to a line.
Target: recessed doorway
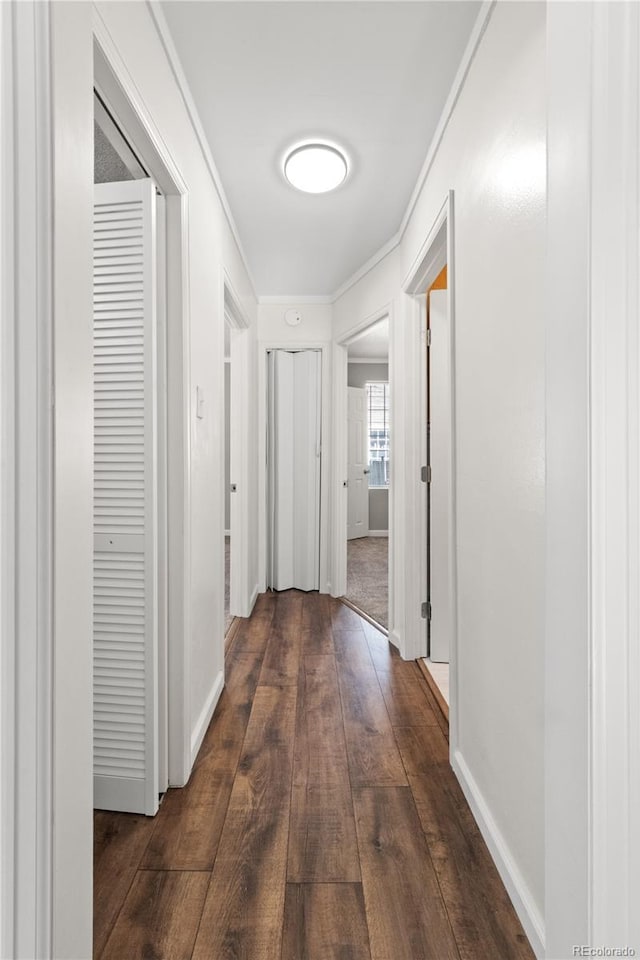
368	471
431	285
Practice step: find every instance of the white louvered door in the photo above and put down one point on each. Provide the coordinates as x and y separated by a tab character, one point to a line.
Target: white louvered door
125	499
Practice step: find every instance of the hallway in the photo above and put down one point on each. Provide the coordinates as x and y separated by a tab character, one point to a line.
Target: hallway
321	821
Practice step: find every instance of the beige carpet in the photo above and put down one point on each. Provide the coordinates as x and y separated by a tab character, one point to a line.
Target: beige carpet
368	576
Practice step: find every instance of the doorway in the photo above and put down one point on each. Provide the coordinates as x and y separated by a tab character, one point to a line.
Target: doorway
127	153
431	287
364	532
130	483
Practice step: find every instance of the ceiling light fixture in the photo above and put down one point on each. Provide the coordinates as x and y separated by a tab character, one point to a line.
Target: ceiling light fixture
315	167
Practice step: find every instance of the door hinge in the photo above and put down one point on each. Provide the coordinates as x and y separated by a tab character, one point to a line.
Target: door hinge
425	610
428	336
425	474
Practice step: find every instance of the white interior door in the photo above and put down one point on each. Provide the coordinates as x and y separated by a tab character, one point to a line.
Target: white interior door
294	432
441	493
125	499
357	464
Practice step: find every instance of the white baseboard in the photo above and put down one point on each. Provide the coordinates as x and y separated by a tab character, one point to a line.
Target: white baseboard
378	533
253	598
394	638
203	721
513	880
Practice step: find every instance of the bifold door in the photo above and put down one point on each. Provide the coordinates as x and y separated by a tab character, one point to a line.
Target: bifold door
125	494
293	452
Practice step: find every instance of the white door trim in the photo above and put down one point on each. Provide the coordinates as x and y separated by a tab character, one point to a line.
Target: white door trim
243	592
436	251
122	96
26	484
615	478
7	486
592	669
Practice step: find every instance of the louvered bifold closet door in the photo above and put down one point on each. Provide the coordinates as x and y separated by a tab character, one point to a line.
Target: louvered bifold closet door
125	661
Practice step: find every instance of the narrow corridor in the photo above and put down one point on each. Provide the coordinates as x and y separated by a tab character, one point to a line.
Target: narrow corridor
322	820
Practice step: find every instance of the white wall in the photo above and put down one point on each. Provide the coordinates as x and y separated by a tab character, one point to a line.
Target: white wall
493	156
211	245
377	288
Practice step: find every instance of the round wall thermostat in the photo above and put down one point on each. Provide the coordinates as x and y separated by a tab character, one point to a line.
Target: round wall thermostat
293	317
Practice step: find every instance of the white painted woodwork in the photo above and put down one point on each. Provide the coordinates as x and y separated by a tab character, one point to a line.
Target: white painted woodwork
357	459
441	494
8	673
592	647
162	393
125	499
68	87
294	469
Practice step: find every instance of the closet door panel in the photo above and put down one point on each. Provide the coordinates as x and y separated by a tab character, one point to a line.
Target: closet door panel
294	430
125	499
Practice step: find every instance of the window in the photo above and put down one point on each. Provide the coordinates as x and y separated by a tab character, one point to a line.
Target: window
378	425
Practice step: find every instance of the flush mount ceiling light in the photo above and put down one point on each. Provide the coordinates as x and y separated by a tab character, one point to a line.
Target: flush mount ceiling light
315	167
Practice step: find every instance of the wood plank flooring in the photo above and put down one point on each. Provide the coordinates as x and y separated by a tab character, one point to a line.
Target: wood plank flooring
322	820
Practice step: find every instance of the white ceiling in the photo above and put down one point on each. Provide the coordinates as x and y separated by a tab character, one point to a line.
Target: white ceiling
373	345
371	76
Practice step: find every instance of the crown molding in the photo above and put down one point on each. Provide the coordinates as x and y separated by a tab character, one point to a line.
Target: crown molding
168	45
457	86
479	27
375	361
366	267
289	300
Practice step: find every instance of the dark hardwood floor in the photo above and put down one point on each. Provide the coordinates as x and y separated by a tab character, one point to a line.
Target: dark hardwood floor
322	820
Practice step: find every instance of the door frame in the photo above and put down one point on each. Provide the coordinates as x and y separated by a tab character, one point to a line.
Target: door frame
592	390
30	626
243	592
118	90
338	585
436	252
